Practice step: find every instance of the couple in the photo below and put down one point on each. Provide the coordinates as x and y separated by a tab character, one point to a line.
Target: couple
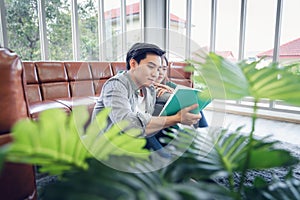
132	95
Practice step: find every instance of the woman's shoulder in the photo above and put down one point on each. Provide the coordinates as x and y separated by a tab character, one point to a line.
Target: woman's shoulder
171	84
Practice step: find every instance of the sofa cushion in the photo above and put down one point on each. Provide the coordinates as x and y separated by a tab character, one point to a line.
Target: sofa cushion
101	71
33	93
36	108
82	88
51	72
78	71
52	91
178	74
31	76
118	66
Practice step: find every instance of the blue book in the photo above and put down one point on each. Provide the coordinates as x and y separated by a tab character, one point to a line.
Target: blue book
183	97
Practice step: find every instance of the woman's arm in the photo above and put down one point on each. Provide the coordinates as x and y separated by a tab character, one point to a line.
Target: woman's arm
161	89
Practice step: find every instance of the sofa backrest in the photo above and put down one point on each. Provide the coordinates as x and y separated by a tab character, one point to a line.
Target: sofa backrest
101	72
80	79
54	80
178	74
59	83
118	66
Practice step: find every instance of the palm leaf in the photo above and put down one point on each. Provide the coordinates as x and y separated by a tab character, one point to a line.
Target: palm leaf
226	80
273	82
58	142
276	190
102	182
223	154
52	141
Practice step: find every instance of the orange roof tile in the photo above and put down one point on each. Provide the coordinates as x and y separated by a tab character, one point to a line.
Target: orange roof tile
134	9
288	50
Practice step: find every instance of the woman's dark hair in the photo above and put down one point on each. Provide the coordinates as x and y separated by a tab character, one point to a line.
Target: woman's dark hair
165	58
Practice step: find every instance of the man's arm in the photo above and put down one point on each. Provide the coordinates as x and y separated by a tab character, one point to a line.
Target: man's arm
183	116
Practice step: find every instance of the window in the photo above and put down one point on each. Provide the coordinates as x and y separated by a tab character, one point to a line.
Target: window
228	24
200	29
177	34
113	37
88	29
23	28
290	32
260	27
133	22
59	33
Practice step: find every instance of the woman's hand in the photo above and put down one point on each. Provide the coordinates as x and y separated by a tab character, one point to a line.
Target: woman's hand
161	89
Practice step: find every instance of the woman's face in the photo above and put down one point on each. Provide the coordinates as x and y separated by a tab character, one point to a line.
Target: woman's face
162	71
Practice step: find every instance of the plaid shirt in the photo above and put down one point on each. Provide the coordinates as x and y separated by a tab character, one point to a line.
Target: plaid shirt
120	94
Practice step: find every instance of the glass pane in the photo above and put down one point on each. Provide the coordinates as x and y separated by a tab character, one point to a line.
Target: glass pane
113	30
133	25
23	28
88	28
59	33
260	27
290	31
177	34
200	33
228	26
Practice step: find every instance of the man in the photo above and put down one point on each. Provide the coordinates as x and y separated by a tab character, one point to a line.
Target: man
131	95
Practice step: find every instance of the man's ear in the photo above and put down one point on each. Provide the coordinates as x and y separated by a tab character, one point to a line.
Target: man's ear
132	63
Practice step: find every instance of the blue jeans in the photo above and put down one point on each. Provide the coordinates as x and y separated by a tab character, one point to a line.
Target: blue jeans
154	144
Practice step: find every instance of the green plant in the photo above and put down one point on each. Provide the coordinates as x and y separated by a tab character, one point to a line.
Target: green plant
227	80
214	166
58	143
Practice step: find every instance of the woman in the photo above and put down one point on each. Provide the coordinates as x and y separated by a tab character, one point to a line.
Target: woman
165	87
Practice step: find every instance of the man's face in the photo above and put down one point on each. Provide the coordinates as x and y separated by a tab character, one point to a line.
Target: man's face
146	72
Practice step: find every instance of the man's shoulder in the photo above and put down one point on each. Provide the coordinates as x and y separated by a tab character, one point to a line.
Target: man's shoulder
118	80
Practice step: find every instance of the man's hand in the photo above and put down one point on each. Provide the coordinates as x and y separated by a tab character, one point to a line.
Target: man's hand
188	118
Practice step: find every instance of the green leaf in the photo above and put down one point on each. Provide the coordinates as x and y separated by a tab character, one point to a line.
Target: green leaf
263	159
227	80
50	141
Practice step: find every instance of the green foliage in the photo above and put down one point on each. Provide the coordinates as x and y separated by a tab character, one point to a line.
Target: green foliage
210	165
89	47
23	29
220	154
57	142
103	182
192	176
227	80
286	189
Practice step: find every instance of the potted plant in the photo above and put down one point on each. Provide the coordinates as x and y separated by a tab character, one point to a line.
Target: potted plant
210	165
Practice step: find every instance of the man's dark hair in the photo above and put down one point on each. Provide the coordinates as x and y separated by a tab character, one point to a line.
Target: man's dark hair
139	52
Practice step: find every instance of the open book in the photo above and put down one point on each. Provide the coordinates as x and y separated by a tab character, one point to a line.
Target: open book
183	97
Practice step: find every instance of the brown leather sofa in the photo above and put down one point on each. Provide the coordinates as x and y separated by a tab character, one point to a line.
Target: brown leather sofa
68	84
28	88
17	181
